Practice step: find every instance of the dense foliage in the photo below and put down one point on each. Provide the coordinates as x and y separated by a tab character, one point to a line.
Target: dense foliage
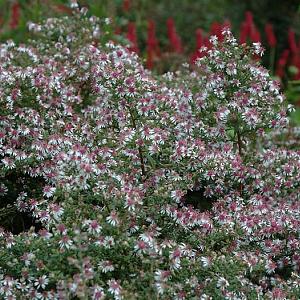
167	187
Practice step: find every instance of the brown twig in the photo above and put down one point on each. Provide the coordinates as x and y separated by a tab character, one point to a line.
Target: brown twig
240	147
139	148
239	142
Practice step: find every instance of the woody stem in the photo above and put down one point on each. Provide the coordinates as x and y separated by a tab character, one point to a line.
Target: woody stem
139	147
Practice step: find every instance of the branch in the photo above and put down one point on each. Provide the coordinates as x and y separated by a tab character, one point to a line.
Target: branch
139	148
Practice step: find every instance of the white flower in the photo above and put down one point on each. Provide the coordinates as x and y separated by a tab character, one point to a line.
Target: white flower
177	195
45	234
214	40
109	242
222	282
205	297
93	226
106	266
270	266
22	286
74	4
115	289
161	287
107	21
10	241
56	211
291	108
112	219
48	191
41	282
98	293
258	49
9	163
65	242
3	189
206	261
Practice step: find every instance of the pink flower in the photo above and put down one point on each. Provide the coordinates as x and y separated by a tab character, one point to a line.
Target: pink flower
113	219
45	234
65	242
98	293
177	195
141	247
48	191
115	289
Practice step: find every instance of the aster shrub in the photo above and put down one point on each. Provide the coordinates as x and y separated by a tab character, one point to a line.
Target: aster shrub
131	186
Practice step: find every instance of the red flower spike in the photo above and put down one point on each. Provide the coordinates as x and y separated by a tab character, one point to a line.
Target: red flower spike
243	33
249	23
249	18
255	35
271	38
216	29
152	45
152	41
118	31
15	16
292	40
174	39
206	43
126	5
132	37
199	43
248	29
199	38
281	64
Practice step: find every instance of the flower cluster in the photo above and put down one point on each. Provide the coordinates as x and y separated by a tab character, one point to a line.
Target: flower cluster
143	187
